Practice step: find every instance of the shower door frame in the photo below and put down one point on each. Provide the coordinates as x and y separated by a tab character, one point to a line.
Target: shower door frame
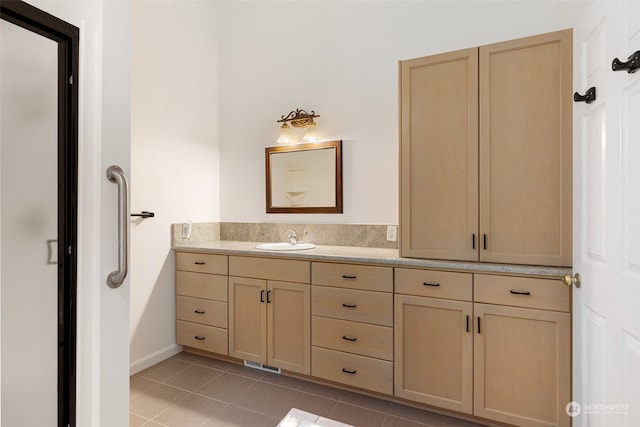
67	37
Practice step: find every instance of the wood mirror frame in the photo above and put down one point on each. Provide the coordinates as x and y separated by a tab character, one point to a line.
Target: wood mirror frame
304	178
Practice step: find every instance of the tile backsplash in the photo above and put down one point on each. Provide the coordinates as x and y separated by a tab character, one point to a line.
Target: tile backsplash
362	235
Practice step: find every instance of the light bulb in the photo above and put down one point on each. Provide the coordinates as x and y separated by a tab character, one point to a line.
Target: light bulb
286	136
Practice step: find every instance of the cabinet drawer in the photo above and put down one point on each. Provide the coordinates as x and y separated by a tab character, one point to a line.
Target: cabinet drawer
366	277
546	294
353	337
357	371
201	263
435	284
204	311
285	270
208	338
350	304
199	285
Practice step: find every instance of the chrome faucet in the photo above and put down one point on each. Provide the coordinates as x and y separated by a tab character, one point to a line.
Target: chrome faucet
292	237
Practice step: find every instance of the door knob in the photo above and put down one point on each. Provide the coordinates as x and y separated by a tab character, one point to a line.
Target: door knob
569	280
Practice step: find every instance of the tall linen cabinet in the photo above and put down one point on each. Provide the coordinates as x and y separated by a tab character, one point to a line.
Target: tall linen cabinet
486	143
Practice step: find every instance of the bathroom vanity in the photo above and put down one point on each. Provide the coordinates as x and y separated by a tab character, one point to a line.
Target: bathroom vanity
486	341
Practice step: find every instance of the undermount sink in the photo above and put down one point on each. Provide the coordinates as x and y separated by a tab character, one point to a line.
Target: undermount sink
285	246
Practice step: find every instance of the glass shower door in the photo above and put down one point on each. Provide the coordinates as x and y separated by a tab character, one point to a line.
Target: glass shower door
28	227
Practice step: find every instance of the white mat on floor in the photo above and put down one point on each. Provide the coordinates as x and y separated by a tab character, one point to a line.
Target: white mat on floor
297	418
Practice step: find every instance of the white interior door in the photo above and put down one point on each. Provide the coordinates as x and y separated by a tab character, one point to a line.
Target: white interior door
606	317
28	227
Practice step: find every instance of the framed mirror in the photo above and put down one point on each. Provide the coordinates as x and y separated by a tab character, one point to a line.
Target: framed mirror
304	178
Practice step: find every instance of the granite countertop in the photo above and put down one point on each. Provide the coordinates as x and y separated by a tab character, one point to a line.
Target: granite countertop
363	255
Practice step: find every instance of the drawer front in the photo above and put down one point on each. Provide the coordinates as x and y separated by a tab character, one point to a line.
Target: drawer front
350	304
207	338
199	285
546	294
366	277
353	370
204	311
434	284
201	263
353	337
285	270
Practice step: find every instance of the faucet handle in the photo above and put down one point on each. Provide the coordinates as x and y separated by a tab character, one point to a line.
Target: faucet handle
292	237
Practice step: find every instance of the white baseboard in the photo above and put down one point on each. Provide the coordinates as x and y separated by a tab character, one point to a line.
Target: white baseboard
157	357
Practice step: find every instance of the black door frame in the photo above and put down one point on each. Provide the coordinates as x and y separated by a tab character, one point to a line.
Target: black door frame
67	36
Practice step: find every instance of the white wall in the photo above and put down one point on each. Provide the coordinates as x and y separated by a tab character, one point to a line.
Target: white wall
174	154
341	60
210	81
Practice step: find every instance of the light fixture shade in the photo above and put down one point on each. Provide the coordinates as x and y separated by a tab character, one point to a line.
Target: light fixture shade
311	135
286	136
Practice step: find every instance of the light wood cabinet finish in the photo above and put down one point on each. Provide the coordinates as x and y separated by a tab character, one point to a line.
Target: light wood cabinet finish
522	370
519	153
355	305
207	312
353	337
199	285
270	321
434	352
436	284
203	337
201	301
526	292
286	270
352	276
439	156
526	150
357	371
202	263
247	319
289	326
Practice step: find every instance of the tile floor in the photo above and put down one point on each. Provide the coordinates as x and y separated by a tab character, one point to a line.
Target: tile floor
193	391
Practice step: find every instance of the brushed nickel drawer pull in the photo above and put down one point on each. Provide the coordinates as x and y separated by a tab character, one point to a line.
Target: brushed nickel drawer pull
435	285
346	338
199	263
349	371
346	276
520	292
348	305
199	311
199	338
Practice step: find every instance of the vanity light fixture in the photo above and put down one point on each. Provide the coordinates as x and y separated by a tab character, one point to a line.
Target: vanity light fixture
298	119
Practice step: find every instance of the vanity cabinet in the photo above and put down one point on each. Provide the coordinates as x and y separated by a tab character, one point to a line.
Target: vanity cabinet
352	325
497	118
522	350
269	312
434	338
201	301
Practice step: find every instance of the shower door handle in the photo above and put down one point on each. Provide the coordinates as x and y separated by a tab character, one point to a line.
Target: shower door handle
115	278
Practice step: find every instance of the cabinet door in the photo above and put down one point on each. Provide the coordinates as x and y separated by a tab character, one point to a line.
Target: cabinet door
434	352
522	365
526	150
439	156
247	319
289	326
